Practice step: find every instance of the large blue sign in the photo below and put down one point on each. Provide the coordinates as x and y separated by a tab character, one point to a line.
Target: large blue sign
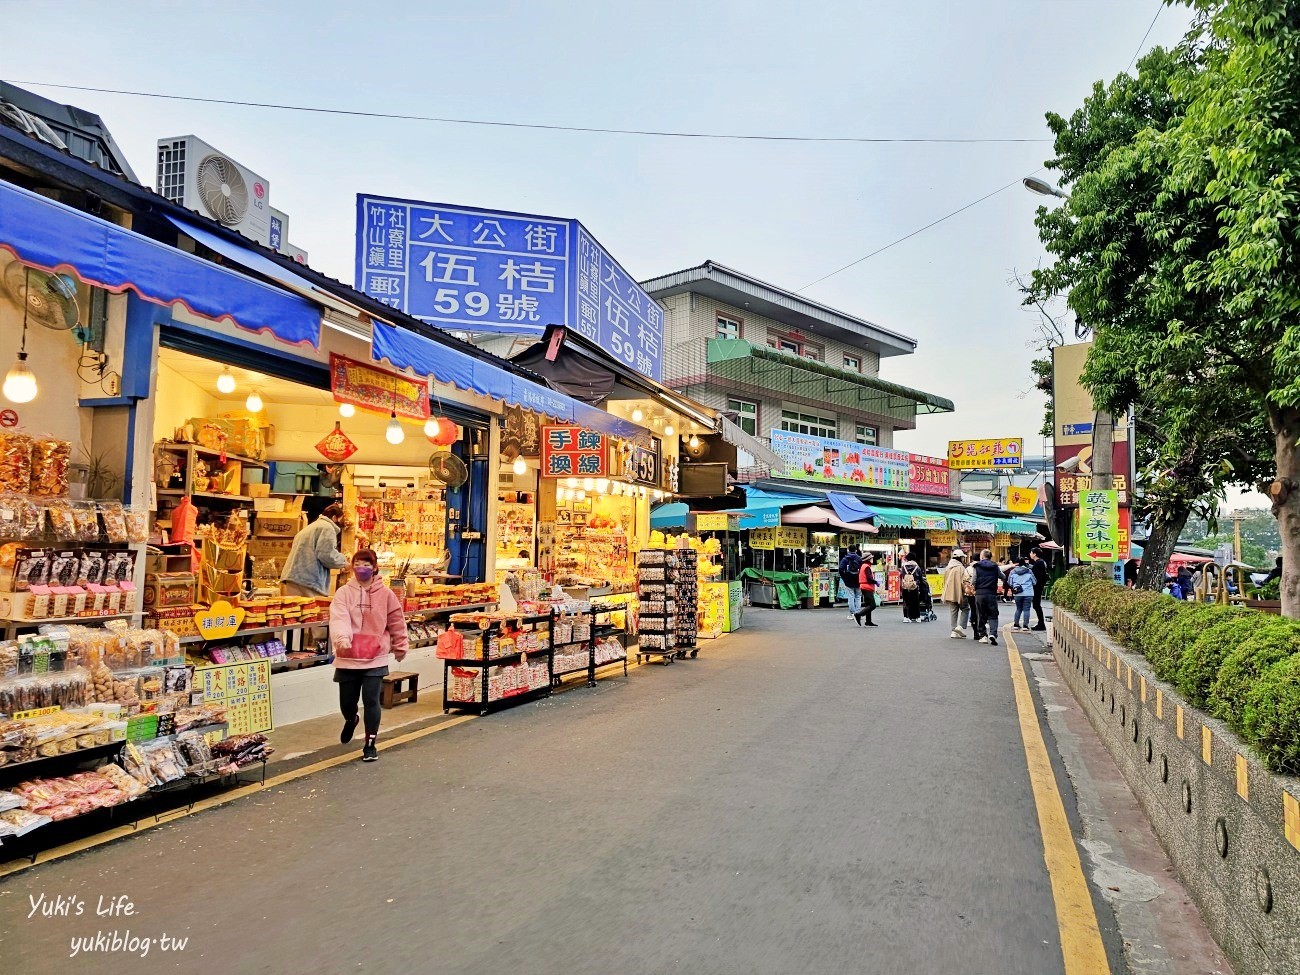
494	271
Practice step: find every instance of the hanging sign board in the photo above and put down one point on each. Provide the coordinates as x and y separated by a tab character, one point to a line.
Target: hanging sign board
788	536
929	475
826	461
713	522
763	539
980	455
1021	500
570	451
942	539
379	390
521	432
1098	527
220	621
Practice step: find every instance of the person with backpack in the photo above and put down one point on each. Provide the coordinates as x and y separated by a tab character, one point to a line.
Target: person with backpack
909	583
1021	583
366	624
850	565
867	586
987	578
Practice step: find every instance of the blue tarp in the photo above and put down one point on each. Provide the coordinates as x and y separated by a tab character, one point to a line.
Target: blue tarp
409	350
848	507
54	237
671	515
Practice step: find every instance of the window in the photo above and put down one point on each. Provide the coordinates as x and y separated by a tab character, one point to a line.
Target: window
728	328
812	352
865	435
793	421
786	345
853	363
747	415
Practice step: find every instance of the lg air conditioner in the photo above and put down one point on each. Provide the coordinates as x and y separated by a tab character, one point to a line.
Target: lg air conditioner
199	178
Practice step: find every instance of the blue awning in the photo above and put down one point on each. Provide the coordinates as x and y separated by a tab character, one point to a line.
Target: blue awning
671	515
763	508
848	507
54	237
444	363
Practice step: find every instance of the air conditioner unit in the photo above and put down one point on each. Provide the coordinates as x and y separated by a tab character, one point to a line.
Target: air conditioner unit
199	178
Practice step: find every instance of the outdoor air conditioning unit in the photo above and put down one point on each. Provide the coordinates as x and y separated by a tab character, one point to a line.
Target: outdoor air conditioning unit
199	178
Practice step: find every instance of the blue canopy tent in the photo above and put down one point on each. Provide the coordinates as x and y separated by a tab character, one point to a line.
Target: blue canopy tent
762	510
671	515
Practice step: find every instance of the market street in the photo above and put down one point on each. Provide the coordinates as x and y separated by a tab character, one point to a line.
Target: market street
806	797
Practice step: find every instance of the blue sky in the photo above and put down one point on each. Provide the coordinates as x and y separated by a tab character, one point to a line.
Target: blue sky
788	213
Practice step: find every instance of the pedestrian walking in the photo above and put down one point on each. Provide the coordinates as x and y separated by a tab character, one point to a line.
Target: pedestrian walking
1021	583
968	589
987	578
850	565
366	624
954	595
910	586
867	586
1039	566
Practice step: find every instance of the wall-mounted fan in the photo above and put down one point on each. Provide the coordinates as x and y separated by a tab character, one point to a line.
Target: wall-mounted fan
222	189
46	299
449	469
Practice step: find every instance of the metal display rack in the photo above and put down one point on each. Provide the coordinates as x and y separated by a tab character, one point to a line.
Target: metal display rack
665	594
485	702
595	632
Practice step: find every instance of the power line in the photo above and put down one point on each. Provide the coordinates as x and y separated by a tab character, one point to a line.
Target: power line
1150	27
933	223
660	133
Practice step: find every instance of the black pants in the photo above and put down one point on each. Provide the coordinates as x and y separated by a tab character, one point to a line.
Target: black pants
365	688
976	616
868	606
1038	606
988	604
911	603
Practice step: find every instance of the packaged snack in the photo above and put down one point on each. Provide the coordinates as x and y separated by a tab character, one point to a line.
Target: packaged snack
49	468
94	567
15	462
65	568
63	525
119	567
85	521
113	516
137	526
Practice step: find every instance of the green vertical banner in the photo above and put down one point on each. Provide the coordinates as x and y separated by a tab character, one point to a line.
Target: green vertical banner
1098	527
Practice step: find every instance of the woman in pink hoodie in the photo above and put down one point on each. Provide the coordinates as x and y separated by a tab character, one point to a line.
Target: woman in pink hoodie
366	623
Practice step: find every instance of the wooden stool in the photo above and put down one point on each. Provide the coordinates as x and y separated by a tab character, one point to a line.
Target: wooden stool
394	693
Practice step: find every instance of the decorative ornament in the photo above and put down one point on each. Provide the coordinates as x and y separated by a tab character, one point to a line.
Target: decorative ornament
447	434
336	446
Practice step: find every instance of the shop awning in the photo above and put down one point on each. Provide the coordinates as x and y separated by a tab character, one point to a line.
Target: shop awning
1015	526
848	507
54	237
671	515
763	509
405	349
821	514
974	523
246	257
909	518
763	455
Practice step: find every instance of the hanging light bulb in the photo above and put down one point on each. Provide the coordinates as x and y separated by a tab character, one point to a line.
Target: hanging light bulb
20	382
581	495
659	495
668	430
394	434
637	415
431	427
347	410
602	485
520	466
253	403
588	484
226	381
571	482
694	441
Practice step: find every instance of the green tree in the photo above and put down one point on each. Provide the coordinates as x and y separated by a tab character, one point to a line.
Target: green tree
1251	554
1236	149
1120	233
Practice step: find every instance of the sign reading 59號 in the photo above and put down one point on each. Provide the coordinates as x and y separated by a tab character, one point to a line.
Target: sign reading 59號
477	270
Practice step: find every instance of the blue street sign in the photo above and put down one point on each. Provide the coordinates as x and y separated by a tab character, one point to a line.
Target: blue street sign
475	270
1075	429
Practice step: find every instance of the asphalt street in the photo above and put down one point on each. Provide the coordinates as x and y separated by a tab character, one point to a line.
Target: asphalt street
805	797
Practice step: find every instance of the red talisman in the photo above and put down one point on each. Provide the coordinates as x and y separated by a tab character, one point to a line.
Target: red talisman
336	446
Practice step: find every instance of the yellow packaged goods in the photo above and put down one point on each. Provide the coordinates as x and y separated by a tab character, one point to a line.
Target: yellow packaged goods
15	462
50	459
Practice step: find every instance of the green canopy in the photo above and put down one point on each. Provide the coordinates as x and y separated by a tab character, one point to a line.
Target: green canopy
791	587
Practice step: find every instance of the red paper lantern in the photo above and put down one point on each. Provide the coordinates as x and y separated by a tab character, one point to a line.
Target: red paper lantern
448	433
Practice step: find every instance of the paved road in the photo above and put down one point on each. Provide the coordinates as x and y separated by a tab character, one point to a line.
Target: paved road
806	797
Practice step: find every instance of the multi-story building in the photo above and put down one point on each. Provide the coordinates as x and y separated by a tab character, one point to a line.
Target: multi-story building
777	361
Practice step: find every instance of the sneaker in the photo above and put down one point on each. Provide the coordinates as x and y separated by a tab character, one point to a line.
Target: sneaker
993	641
871	624
349	727
852	617
961	634
982	639
1037	629
370	753
954	635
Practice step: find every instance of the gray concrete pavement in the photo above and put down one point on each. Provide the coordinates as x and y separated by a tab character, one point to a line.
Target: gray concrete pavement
806	797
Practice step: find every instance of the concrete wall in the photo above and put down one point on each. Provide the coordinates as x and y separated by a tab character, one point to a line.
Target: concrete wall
1230	827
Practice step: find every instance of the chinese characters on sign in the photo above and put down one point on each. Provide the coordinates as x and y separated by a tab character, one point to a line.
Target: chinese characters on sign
978	455
497	271
782	536
1021	500
1097	527
1069	488
569	451
245	691
381	390
220	621
929	475
809	458
713	523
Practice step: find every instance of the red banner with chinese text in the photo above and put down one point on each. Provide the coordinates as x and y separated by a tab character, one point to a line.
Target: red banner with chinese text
381	390
930	475
569	451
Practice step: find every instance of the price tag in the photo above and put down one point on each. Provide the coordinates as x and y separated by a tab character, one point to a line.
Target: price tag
35	712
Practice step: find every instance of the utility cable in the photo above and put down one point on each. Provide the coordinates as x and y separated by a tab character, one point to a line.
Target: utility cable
659	133
1150	27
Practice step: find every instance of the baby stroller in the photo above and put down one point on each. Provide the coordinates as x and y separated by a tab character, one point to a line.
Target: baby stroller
927	614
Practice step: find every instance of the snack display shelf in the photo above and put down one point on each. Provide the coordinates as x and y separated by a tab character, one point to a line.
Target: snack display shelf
494	661
12	625
255	631
45	762
483	707
301	663
438	610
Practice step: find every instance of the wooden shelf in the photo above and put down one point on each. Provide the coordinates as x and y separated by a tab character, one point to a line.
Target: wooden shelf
209	452
206	495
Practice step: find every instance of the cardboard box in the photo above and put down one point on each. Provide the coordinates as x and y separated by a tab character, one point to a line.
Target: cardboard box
257	490
278	524
169	589
269	548
265	504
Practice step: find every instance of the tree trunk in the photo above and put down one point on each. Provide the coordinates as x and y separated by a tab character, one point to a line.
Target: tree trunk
1166	526
1103	451
1286	431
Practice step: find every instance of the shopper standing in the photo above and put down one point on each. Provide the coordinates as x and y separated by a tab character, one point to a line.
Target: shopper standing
987	577
968	589
1021	583
850	565
910	587
1039	565
954	595
867	588
366	624
314	553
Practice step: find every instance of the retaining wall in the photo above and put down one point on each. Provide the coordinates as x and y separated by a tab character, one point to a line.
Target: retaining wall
1230	826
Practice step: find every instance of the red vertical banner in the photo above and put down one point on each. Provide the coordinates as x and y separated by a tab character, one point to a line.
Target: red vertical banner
570	451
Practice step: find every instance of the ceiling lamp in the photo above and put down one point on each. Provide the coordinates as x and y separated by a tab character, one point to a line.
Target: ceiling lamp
668	430
253	403
226	381
431	427
637	415
588	484
694	441
520	466
581	495
347	411
602	485
571	482
394	434
20	382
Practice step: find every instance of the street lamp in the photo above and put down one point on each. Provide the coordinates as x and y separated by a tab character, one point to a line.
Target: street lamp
1043	188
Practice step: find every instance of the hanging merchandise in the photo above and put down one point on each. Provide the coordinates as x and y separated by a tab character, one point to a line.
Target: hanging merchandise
336	446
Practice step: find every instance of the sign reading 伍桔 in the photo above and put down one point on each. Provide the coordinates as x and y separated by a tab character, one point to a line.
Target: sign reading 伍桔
569	451
820	459
978	455
1097	529
476	270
